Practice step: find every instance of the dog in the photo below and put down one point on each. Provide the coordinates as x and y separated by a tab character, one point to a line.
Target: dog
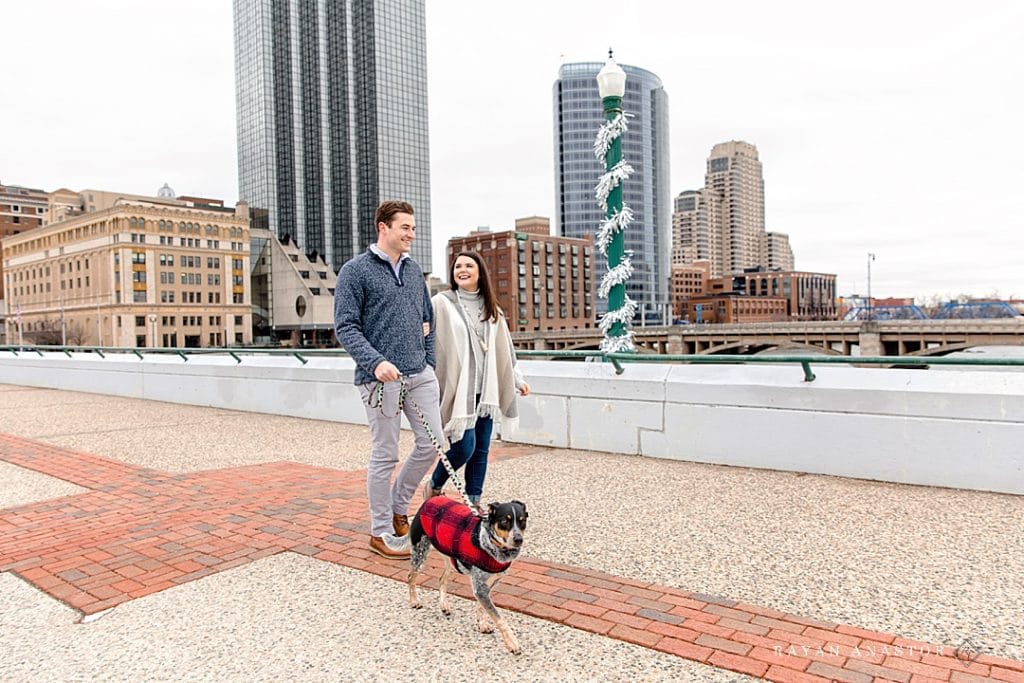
484	547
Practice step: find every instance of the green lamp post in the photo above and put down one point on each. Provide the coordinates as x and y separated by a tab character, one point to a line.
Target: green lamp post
611	84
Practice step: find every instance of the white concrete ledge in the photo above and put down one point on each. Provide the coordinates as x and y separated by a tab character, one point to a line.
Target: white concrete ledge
956	429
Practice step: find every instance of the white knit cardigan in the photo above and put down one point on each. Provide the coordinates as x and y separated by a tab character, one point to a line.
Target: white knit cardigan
455	371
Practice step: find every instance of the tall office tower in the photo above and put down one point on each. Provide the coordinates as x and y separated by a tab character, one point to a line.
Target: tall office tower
577	116
734	173
696	229
778	253
332	119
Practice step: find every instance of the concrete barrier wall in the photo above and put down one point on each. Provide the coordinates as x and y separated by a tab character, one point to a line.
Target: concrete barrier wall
961	429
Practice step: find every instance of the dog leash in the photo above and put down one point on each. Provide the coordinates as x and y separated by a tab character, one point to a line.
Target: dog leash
375	399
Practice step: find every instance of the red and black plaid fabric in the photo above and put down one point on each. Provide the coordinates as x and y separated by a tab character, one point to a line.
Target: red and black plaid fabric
451	528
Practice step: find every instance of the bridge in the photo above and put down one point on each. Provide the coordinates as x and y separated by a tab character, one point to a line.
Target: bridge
834	337
191	491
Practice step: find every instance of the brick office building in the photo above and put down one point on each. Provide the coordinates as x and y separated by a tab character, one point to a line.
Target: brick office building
21	209
542	282
735	308
810	296
688	280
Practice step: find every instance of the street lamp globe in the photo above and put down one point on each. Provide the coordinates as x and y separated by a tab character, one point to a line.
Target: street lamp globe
611	80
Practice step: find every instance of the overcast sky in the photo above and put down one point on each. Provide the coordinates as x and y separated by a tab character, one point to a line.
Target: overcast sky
884	127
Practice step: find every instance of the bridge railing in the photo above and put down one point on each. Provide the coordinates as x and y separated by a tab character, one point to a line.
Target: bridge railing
618	360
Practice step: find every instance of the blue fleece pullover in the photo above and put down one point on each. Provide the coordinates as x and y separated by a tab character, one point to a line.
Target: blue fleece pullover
379	316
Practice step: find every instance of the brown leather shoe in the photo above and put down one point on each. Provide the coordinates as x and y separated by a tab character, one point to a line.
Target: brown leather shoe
401	524
378	546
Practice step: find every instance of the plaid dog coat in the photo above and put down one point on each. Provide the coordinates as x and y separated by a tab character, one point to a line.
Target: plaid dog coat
452	529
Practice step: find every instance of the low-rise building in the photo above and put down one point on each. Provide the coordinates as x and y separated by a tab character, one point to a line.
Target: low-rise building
735	308
688	280
811	296
292	294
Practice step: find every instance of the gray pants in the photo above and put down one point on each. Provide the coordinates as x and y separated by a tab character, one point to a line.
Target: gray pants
384	497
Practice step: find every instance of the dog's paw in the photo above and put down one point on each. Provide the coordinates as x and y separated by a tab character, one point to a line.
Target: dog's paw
512	645
446	609
485	626
415	604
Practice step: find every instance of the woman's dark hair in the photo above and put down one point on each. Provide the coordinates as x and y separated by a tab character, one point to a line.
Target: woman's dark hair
491	307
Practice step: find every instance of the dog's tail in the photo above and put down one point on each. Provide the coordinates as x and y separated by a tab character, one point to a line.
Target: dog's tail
396	543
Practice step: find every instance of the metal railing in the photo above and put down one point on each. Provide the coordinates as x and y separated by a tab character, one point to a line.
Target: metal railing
618	360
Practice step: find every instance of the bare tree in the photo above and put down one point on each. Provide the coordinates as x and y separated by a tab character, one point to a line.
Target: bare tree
47	334
931	304
75	335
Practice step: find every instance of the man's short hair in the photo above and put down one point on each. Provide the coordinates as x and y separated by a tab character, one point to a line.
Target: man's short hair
387	210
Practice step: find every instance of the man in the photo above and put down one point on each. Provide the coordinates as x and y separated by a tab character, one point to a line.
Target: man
384	319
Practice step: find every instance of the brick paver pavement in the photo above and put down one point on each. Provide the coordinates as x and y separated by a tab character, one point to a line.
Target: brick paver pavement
139	531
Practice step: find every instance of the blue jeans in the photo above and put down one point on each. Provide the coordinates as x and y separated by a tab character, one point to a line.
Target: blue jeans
471	450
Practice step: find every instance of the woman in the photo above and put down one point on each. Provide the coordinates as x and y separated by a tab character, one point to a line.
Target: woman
476	368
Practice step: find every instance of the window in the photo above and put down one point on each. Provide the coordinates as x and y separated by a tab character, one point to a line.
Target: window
140	321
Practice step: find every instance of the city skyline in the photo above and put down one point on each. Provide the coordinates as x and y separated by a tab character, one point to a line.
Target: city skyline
894	137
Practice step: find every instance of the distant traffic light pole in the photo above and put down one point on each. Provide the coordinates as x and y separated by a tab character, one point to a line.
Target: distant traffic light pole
871	257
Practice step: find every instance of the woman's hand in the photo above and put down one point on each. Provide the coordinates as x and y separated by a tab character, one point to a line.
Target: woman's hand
524	389
426	329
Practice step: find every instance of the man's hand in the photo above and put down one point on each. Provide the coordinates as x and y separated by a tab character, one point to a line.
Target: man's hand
524	389
386	372
426	329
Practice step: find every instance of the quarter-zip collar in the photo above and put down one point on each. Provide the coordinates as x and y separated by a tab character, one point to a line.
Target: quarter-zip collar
396	268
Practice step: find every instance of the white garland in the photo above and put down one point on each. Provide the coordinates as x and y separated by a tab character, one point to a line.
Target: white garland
610	180
622	343
617	223
608	133
613	225
616	276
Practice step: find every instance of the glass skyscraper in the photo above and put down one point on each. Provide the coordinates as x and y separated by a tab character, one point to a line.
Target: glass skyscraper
578	114
332	119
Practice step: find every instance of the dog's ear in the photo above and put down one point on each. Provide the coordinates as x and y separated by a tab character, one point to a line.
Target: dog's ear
523	506
492	511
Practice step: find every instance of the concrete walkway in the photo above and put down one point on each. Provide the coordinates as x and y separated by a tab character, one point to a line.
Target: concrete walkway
209	544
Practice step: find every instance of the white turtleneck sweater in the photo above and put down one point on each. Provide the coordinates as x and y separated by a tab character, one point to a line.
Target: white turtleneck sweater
473	307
